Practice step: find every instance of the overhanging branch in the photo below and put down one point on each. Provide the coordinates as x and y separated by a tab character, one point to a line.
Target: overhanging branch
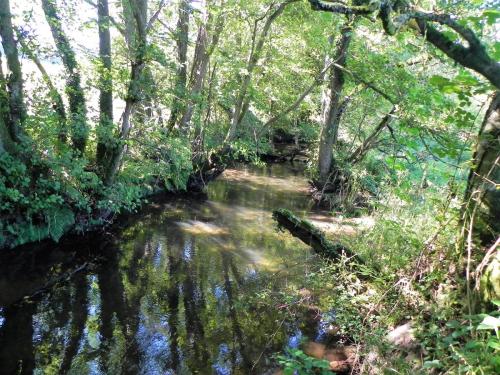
473	56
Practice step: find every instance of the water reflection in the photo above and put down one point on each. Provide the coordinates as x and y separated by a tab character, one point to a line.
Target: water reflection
174	293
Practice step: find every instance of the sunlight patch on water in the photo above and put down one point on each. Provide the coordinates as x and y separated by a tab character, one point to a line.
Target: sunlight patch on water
289	183
200	228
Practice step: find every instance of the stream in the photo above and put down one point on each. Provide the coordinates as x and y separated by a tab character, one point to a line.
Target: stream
186	286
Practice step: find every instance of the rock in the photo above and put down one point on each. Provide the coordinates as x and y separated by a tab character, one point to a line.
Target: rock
340	366
341	358
314	349
402	337
332	330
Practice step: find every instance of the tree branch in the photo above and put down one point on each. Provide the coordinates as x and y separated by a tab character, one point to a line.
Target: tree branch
115	23
369	142
299	100
155	16
474	56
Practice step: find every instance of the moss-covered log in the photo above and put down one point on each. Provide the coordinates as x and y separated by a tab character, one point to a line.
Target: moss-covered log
312	236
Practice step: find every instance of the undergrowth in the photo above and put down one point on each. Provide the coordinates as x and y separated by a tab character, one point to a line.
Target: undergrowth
414	243
49	194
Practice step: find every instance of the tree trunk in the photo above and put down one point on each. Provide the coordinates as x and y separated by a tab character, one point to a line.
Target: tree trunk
482	196
199	71
312	236
105	127
182	40
14	78
203	51
77	107
133	91
146	112
334	108
6	142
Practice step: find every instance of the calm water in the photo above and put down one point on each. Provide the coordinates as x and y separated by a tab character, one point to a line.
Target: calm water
189	286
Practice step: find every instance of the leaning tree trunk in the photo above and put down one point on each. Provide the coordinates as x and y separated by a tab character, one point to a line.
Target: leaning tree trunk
482	196
370	141
105	127
134	89
335	106
76	97
14	78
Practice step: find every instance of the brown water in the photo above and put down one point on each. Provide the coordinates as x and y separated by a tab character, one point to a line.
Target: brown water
188	286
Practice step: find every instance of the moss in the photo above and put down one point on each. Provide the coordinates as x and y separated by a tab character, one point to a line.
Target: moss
322	245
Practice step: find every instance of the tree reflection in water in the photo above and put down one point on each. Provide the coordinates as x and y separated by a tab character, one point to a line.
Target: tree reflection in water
174	293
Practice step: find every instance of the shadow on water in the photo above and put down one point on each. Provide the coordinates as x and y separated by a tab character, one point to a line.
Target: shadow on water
174	292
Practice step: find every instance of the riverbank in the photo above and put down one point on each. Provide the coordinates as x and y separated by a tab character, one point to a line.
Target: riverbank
90	207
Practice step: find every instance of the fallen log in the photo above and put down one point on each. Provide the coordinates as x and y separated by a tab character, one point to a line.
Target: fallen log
314	237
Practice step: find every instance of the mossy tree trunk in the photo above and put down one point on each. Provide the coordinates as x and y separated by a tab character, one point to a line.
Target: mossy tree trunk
105	128
6	142
182	40
482	197
13	79
134	88
79	128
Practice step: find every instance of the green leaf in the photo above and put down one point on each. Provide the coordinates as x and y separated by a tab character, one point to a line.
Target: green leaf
494	343
491	15
59	222
432	364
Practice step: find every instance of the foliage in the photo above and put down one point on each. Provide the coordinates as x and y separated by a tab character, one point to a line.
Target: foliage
467	346
297	362
38	205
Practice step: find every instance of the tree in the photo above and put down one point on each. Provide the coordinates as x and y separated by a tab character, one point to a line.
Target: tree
245	78
334	105
134	86
105	130
14	78
182	40
482	196
6	142
77	106
58	103
396	14
208	37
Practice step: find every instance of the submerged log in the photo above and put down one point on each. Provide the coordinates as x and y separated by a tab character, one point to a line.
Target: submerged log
314	237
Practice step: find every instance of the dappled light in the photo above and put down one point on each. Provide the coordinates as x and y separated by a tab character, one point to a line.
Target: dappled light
197	227
229	187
